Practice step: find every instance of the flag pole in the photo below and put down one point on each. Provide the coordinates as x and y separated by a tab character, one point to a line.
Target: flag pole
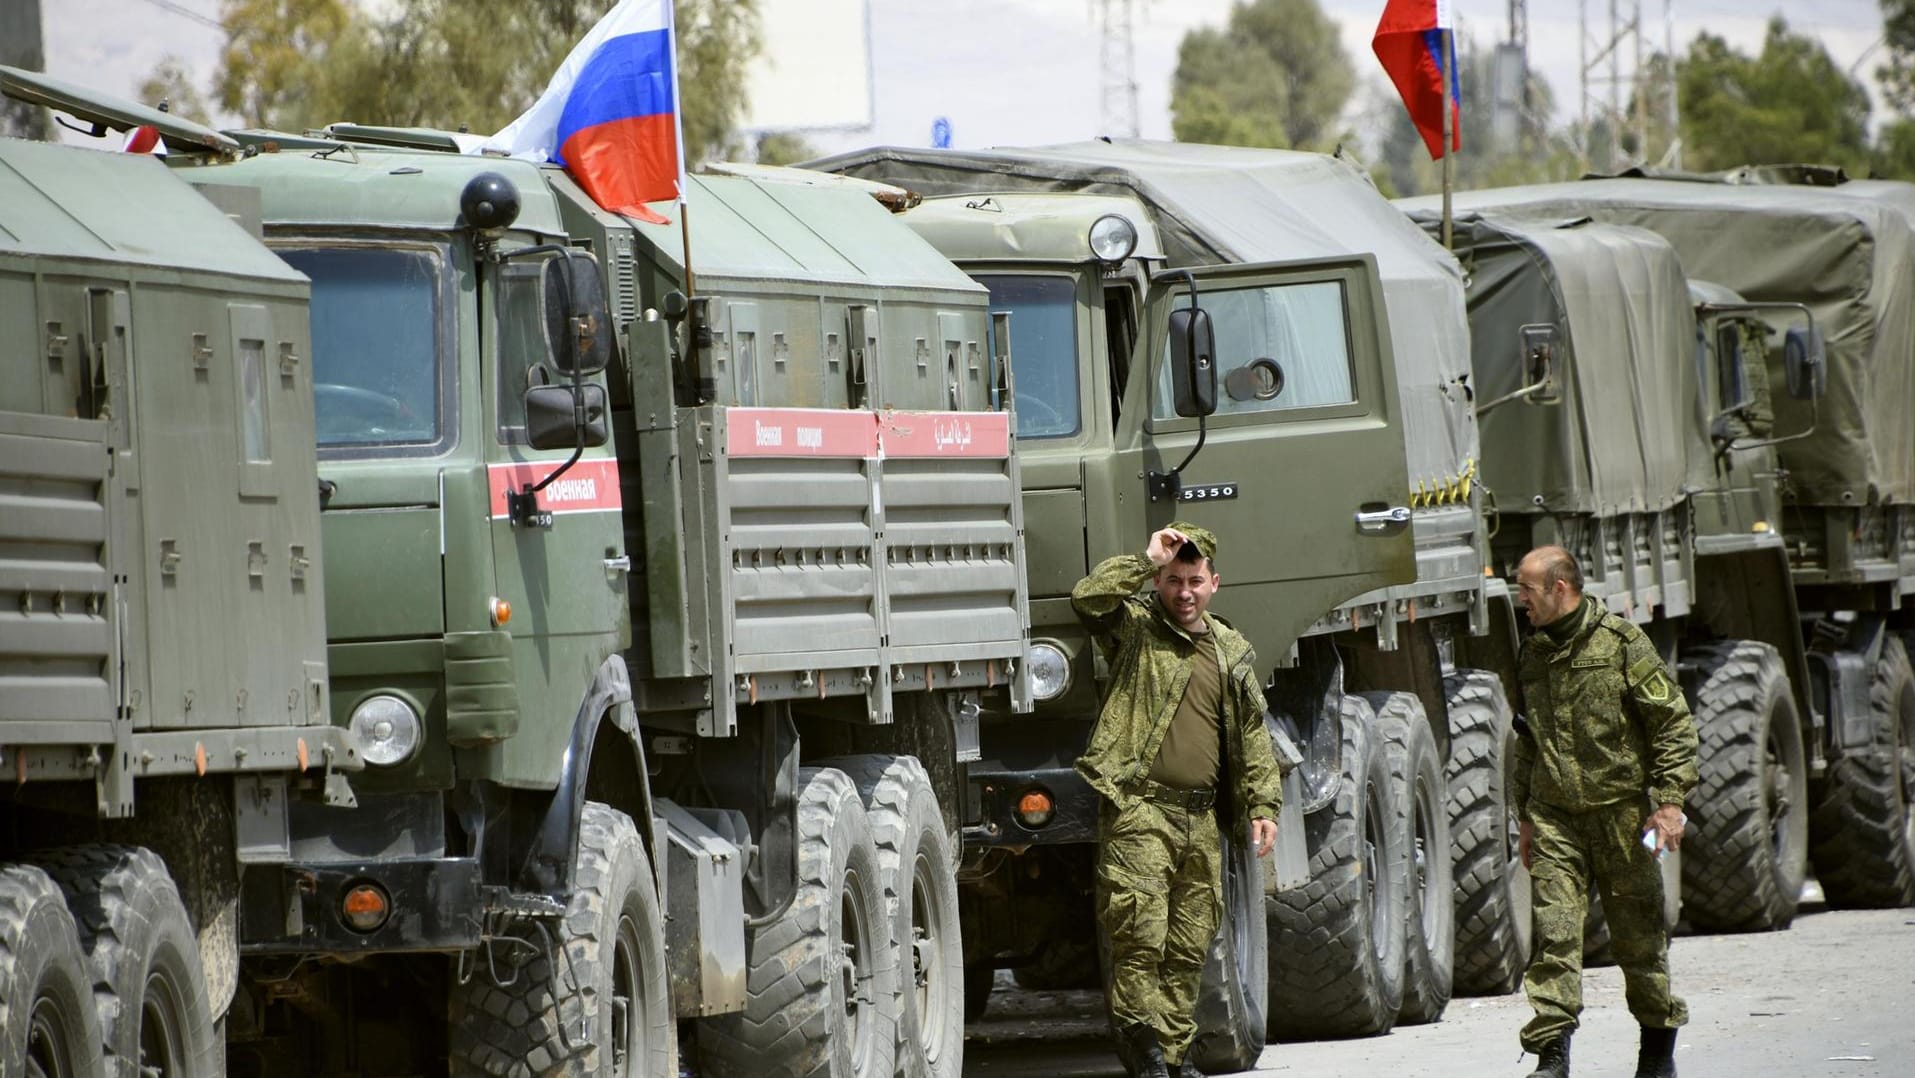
678	130
1449	135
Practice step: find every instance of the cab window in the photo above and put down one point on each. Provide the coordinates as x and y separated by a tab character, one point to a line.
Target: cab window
1043	350
1279	347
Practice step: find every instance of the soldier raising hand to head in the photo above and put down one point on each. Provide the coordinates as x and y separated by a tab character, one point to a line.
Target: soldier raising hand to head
1179	745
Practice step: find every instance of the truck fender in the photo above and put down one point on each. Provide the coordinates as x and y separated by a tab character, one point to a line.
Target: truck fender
605	761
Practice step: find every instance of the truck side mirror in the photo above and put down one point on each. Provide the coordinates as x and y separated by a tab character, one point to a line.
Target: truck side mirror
1805	363
1541	346
1193	362
553	417
577	321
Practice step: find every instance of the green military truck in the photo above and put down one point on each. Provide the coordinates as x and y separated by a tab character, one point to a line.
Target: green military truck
661	611
163	681
1651	397
1338	465
1846	479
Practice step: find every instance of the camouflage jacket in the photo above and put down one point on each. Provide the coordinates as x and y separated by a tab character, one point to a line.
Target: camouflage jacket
1606	722
1151	658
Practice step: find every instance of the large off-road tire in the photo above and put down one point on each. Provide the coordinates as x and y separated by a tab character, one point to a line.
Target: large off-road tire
1492	911
1745	851
822	977
48	1025
1422	804
1863	837
1234	996
599	1004
919	875
1336	943
144	961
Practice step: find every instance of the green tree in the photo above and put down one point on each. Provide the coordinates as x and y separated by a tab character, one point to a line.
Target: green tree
1791	103
471	64
1897	76
1893	157
1276	75
783	148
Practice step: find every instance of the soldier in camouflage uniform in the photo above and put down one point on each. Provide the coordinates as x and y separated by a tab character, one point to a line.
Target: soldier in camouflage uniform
1608	736
1184	710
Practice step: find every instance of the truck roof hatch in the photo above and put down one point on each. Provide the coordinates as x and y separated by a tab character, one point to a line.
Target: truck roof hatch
108	113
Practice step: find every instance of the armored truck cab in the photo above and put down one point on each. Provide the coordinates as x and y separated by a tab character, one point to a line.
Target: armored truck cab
1625	416
1848	460
163	671
1385	597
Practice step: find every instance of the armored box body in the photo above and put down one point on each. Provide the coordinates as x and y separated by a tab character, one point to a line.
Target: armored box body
160	586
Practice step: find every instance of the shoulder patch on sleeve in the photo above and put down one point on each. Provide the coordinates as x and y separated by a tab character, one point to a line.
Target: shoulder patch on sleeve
1651	680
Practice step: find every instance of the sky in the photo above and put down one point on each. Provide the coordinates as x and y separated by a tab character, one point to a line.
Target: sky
1017	72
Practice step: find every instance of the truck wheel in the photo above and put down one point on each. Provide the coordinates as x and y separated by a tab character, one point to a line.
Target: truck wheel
1491	945
1234	996
606	1008
143	959
1422	803
919	876
1746	849
48	1025
1864	837
1336	949
821	977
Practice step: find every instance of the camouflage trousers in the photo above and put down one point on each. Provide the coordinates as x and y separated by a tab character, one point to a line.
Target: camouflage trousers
1159	898
1567	850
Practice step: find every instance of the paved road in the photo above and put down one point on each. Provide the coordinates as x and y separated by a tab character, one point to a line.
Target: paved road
1834	996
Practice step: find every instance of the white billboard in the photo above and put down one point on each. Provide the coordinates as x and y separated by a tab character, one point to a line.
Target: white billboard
815	71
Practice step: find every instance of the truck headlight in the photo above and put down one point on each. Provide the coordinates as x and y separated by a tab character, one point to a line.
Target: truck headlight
1112	238
387	730
1050	670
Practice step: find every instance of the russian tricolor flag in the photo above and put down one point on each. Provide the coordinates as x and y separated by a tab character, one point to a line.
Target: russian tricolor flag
610	114
1411	40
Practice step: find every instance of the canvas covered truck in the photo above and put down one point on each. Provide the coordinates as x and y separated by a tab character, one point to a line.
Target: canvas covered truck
661	601
163	666
1338	469
1847	469
1628	415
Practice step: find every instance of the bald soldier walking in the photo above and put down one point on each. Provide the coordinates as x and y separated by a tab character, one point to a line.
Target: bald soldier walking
1179	745
1599	773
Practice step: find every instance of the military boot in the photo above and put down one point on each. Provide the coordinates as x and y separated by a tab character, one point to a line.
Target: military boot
1187	1069
1142	1056
1657	1057
1553	1060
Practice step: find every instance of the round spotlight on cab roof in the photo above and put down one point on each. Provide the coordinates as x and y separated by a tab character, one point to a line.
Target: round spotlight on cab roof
1050	670
387	730
1112	238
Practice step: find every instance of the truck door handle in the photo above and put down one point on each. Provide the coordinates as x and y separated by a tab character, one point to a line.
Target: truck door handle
1378	521
620	564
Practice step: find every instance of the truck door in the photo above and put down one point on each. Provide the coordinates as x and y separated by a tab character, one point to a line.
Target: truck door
1301	468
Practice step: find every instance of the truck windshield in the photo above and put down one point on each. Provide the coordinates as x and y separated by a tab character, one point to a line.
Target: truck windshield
1044	349
376	341
1279	347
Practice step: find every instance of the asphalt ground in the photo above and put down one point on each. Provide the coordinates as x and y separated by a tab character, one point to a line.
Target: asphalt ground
1833	995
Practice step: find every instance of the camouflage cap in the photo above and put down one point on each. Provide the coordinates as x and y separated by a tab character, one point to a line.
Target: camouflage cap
1202	538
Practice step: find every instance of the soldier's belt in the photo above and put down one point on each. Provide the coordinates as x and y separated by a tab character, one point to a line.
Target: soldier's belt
1177	797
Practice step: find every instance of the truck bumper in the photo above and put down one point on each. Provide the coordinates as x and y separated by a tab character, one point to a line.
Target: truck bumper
435	904
996	791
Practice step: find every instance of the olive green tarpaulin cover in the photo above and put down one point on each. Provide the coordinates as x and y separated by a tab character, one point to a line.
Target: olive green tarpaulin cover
1216	205
1627	428
1847	256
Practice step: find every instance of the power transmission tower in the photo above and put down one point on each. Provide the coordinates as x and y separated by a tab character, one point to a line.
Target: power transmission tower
1631	118
1118	56
1510	117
